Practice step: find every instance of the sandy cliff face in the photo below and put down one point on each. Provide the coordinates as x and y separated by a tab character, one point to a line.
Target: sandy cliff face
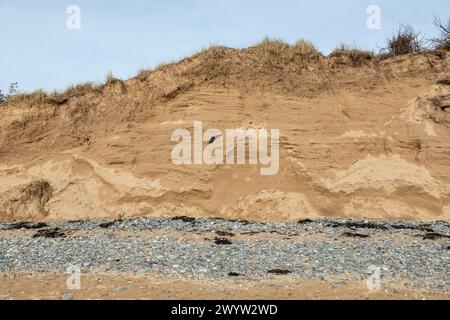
369	140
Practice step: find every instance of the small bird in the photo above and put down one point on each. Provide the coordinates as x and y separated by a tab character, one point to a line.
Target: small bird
213	139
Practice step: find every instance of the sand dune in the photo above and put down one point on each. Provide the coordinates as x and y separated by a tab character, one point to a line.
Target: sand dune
366	141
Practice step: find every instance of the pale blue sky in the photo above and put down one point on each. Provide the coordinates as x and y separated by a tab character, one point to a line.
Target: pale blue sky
38	51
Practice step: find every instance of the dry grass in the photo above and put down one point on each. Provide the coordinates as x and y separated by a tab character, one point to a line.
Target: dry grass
355	56
306	49
278	51
73	91
143	74
206	63
273	47
40	96
80	89
213	52
218	60
35	97
111	79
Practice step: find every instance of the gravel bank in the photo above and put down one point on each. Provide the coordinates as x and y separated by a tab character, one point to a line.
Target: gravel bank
337	250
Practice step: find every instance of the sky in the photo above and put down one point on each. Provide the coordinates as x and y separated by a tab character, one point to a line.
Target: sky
39	51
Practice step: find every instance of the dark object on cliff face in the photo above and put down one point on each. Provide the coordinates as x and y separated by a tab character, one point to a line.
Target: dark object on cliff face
213	139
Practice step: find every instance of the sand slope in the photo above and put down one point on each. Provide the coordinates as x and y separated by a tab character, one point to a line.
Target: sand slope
359	141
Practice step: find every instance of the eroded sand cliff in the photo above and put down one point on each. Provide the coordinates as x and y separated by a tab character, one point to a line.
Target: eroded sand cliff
364	140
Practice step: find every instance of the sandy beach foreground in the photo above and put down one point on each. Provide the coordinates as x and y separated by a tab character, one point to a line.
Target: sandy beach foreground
106	286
